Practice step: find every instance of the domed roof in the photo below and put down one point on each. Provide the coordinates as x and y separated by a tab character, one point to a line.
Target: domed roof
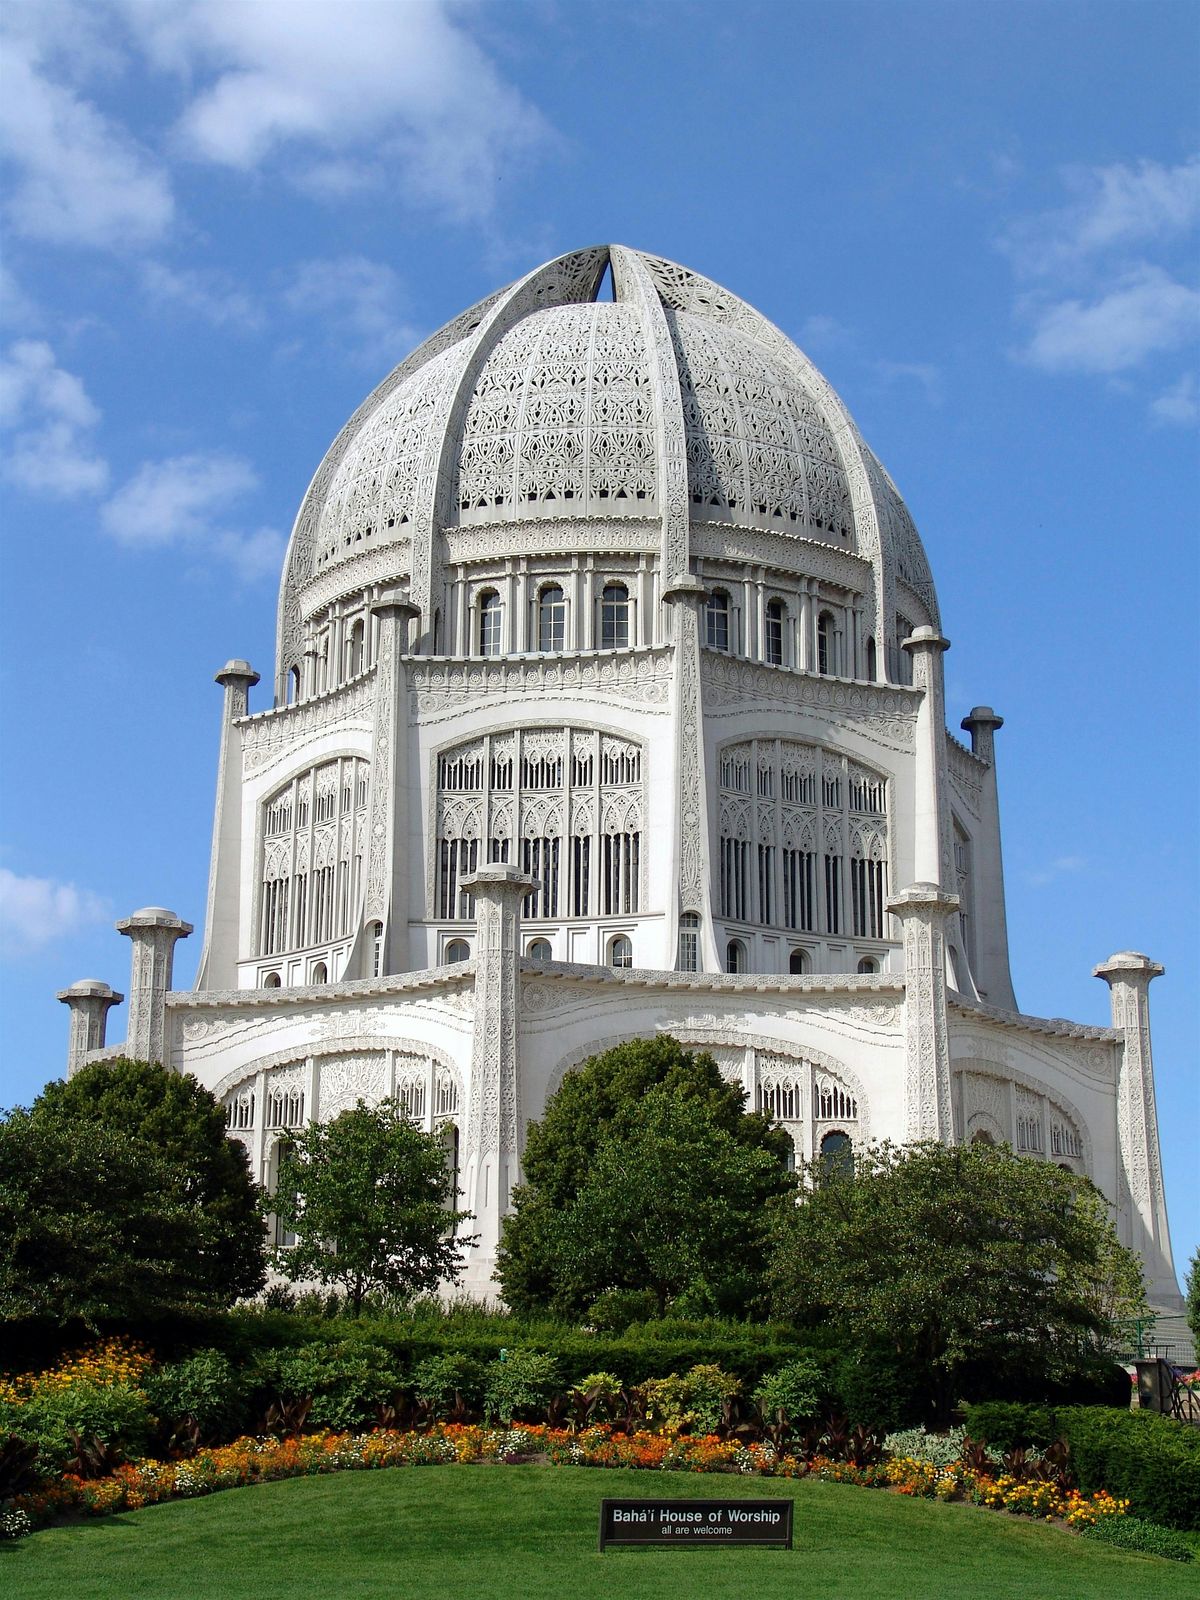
673	401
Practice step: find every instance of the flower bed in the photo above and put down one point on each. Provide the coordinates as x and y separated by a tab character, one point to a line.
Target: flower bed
265	1460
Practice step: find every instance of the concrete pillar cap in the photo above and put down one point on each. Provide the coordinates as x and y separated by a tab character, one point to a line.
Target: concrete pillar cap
89	989
501	877
237	671
154	917
981	717
925	637
1126	962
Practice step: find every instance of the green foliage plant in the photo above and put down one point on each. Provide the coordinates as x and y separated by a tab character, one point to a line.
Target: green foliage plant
1136	1534
521	1386
62	1419
369	1196
697	1400
1192	1297
346	1381
1150	1460
789	1397
955	1256
449	1385
1007	1425
205	1391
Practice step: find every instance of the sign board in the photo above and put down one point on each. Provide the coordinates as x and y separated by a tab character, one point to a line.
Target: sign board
675	1523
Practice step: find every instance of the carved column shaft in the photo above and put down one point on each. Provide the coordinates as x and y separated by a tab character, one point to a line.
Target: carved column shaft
153	932
386	899
494	1121
89	1001
1128	975
690	852
931	812
219	958
923	911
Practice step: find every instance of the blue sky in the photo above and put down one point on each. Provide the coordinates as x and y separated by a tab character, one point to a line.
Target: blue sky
224	222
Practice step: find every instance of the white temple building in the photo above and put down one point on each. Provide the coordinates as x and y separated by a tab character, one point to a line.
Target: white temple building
609	701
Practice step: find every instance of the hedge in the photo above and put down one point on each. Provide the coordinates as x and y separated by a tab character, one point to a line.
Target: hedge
1150	1460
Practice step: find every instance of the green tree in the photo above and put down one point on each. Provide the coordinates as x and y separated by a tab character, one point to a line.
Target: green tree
644	1173
93	1227
1192	1297
956	1256
369	1196
181	1124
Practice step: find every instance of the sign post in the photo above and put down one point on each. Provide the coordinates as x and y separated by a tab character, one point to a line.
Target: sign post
675	1524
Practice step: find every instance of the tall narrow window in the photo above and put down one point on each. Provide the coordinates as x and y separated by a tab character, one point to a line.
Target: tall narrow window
689	943
833	894
620	952
716	620
354	652
734	888
799	890
490	617
376	932
539	859
735	956
552	619
871	660
614	617
826	645
776	615
621	860
797	962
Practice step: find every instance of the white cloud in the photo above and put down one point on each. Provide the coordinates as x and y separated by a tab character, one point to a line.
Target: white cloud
356	301
823	332
343	91
1115	207
1180	404
1145	313
1060	867
17	309
51	416
79	179
923	373
36	911
185	501
213	296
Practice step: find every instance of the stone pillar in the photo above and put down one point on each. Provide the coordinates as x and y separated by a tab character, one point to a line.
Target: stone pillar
153	931
219	958
992	976
89	1000
386	899
930	811
1144	1204
494	1121
923	911
689	854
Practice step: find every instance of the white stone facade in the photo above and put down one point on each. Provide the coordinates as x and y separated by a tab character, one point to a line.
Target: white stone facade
609	702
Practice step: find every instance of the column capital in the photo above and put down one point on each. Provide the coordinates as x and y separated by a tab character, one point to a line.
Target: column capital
395	602
685	588
923	897
89	989
236	672
498	880
90	1001
925	638
1128	965
153	918
981	723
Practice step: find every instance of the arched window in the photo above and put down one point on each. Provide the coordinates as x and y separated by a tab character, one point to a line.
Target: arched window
952	967
272	981
871	660
826	645
458	950
437	633
689	943
716	620
798	961
773	642
539	950
375	932
614	617
293	685
354	650
552	619
837	1155
982	1136
320	973
735	956
620	952
490	616
868	964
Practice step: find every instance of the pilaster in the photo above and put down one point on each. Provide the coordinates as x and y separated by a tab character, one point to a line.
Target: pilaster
219	958
153	931
1142	1221
690	850
89	1000
495	1124
923	910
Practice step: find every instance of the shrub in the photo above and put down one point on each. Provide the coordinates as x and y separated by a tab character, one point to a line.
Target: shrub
61	1419
1134	1533
205	1389
1007	1425
1139	1456
616	1309
696	1400
347	1381
448	1384
521	1384
875	1388
938	1449
790	1395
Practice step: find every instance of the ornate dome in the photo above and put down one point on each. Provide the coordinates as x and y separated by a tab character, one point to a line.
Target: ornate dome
546	404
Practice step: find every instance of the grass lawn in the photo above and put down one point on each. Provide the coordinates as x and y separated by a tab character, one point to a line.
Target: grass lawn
529	1533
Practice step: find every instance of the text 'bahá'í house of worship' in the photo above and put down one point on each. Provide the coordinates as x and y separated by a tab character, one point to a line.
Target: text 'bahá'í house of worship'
608	701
